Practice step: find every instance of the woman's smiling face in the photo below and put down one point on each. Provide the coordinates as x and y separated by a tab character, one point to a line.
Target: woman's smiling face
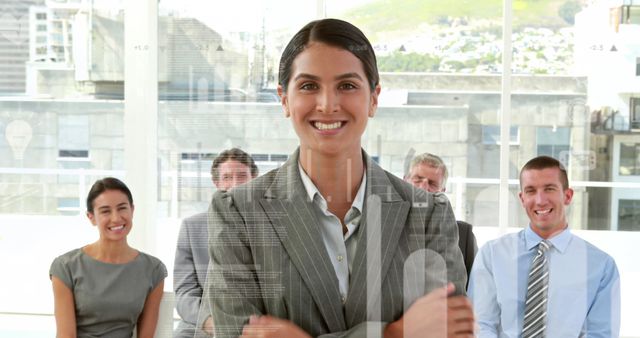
329	99
112	214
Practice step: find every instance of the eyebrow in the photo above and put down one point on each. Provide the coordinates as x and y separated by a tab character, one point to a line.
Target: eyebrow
349	76
554	185
306	76
339	77
106	207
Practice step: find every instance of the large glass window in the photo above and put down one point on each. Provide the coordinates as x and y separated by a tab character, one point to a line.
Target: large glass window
569	94
59	134
573	111
440	91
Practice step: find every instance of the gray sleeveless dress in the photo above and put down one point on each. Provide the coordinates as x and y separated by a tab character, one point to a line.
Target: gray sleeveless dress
108	297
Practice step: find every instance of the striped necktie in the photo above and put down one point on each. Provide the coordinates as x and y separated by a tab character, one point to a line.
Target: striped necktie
536	304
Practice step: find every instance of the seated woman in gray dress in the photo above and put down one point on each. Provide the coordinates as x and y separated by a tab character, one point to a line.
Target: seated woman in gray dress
106	288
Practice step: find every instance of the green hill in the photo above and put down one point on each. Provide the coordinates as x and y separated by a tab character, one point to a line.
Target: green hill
404	16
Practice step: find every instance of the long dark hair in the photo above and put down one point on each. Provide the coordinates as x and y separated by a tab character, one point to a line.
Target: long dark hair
102	185
335	33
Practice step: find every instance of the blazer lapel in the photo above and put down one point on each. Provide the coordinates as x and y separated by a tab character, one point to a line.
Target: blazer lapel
288	208
379	231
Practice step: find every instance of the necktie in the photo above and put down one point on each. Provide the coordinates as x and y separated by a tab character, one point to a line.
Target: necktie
536	304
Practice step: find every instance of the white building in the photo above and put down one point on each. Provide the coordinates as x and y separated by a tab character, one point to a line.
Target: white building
608	52
14	44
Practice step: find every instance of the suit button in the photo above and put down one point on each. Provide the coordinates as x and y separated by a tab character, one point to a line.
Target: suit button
344	300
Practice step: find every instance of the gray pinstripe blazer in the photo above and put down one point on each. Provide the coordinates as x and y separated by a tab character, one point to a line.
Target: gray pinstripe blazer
268	256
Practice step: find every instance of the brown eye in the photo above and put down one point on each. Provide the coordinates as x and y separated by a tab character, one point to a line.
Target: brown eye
348	86
308	86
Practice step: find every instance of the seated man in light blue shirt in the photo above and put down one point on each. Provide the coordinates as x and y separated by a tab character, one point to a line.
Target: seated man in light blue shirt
574	288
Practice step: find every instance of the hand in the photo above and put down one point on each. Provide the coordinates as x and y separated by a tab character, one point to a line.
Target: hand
207	326
272	327
429	314
460	319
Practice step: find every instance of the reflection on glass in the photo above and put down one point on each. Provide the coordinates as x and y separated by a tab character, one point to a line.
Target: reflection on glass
629	215
575	97
61	126
429	36
629	159
217	90
577	112
554	142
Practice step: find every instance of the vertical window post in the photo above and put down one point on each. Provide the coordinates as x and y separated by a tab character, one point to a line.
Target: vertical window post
505	117
141	116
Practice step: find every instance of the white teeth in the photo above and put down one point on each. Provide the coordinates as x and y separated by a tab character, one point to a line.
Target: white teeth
120	227
543	211
324	126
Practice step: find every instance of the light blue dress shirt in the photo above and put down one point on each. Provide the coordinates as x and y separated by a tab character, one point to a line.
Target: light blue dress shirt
584	287
340	247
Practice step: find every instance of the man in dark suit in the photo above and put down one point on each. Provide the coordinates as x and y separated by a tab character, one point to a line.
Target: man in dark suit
229	169
428	172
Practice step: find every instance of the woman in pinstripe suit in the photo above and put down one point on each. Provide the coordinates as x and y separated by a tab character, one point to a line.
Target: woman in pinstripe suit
319	247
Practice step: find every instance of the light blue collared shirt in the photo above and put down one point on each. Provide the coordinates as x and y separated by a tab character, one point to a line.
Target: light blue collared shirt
584	287
340	247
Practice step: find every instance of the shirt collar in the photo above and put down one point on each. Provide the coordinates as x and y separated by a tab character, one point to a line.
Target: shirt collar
559	241
312	190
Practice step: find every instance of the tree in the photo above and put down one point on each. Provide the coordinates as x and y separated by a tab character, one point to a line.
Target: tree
408	62
568	11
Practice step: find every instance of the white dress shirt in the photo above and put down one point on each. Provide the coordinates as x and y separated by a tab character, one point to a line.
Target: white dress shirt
340	247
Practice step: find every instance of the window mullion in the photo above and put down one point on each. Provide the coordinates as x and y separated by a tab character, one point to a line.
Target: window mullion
141	116
505	116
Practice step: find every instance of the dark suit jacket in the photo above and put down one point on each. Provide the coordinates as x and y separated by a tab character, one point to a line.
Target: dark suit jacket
268	256
468	245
